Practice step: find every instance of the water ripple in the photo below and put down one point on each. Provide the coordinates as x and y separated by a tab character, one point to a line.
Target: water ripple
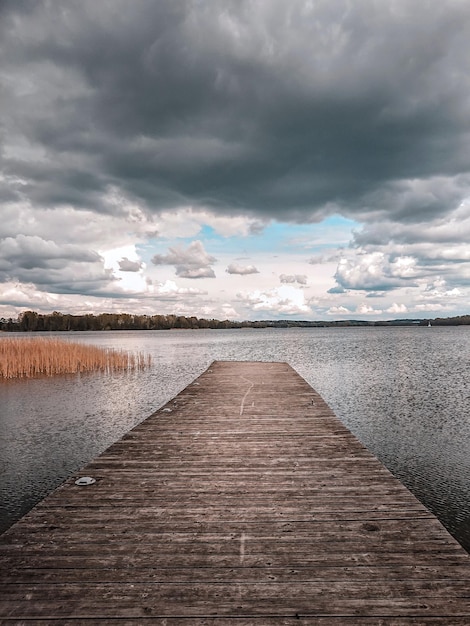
402	391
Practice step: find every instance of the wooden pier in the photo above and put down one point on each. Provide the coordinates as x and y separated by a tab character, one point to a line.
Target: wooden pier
243	501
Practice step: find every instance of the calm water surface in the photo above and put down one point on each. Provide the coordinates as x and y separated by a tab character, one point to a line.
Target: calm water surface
402	391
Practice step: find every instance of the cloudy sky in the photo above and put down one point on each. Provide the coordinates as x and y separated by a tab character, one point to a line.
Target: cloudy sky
241	159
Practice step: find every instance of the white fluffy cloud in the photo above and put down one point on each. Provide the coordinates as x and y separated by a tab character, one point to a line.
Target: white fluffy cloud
126	265
242	270
397	309
374	271
279	300
169	289
338	311
188	222
192	262
301	279
366	309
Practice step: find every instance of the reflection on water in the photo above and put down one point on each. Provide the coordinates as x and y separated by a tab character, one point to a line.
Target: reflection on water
402	391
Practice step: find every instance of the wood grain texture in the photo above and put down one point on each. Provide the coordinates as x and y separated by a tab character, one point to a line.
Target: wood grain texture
242	501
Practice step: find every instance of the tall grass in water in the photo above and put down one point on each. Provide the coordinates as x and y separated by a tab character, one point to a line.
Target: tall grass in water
26	358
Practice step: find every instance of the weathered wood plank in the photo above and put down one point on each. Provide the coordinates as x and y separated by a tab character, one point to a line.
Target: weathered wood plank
242	501
147	617
297	619
418	598
241	573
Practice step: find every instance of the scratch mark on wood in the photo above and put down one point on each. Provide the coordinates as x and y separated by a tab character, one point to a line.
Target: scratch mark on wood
242	547
242	405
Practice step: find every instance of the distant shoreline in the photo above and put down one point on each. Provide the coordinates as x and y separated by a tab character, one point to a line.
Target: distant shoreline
31	321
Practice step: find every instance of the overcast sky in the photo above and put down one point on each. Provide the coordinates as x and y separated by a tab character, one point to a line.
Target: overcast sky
241	159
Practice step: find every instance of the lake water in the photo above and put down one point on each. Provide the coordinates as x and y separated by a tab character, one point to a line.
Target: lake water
403	392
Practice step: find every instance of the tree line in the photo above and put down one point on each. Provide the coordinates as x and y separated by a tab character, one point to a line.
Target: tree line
31	321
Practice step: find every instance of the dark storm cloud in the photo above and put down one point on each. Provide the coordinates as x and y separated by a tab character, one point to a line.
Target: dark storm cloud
279	109
51	267
29	252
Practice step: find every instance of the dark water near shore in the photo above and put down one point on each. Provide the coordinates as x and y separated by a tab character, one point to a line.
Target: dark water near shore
403	392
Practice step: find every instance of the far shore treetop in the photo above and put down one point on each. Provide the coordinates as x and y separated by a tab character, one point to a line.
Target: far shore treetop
31	321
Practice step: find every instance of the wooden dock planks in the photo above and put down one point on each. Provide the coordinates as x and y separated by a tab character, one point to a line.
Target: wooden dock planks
242	501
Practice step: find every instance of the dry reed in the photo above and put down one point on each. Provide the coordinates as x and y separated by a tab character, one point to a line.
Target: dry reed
27	358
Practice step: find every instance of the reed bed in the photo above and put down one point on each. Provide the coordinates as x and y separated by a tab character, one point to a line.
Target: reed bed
28	358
